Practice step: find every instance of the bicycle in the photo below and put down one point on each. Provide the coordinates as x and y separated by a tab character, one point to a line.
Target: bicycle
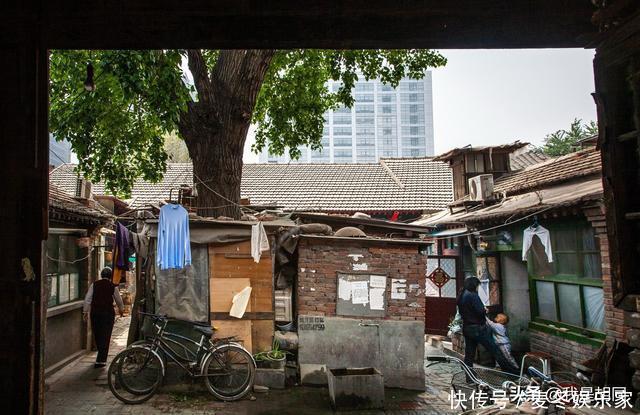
227	367
470	383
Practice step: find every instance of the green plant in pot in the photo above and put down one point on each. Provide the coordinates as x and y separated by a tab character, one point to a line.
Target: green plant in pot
275	358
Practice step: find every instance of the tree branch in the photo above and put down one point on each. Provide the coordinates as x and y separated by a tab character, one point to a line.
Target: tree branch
198	68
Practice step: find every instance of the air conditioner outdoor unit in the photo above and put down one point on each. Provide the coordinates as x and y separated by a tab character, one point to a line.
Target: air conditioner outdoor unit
83	189
481	187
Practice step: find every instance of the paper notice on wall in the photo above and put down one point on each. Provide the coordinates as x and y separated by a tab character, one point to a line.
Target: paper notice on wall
378	281
376	296
398	289
240	302
360	292
344	289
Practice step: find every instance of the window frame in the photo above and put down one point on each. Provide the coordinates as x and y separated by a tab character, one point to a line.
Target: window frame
569	279
50	274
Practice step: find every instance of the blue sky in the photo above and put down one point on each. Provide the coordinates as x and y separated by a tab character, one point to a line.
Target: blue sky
485	97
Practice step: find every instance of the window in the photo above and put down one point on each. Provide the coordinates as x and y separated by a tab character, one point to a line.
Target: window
412	108
387	109
364	97
412	130
387	98
364	109
368	121
341	119
388	153
363	86
572	295
341	130
342	141
64	276
387	131
368	131
366	153
386	120
367	142
383	87
412	97
342	110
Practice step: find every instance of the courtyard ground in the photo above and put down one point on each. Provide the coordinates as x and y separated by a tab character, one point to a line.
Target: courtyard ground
81	389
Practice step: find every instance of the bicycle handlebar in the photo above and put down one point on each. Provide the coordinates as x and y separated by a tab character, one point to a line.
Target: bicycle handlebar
438	358
155	316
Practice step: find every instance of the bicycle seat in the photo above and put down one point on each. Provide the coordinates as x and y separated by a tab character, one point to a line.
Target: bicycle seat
204	330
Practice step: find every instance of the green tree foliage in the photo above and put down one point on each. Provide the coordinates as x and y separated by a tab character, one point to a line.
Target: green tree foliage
142	96
176	149
564	142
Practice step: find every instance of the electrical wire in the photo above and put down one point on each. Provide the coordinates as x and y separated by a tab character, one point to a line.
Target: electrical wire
506	223
71	262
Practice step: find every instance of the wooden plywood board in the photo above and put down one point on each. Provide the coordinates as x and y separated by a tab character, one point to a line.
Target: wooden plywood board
243	247
261	296
222	290
226	265
261	335
238	328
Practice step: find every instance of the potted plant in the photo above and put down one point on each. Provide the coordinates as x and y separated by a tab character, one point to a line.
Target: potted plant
272	359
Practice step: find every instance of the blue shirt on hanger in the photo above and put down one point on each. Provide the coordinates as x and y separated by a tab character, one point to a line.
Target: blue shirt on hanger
174	246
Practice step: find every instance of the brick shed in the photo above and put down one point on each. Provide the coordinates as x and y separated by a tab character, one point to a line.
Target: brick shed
336	330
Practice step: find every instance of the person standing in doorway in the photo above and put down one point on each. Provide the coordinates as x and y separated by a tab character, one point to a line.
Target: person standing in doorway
475	328
98	303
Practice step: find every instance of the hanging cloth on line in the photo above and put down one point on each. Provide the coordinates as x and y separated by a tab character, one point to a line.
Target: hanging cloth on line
174	243
121	253
259	241
544	237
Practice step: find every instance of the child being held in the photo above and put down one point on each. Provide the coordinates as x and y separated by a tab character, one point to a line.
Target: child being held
500	336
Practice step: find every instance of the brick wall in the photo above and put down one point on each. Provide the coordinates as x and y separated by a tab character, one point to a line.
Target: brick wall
614	317
564	351
319	261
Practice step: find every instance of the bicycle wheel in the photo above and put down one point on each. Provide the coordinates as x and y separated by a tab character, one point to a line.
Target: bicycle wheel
134	375
229	372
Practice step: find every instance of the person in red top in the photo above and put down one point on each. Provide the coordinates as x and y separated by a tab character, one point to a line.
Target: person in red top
98	303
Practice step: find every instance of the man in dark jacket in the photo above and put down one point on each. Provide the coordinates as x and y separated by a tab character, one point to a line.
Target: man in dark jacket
475	329
99	303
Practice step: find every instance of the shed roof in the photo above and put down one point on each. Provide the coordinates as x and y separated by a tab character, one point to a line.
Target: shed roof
553	171
63	206
503	148
405	184
563	195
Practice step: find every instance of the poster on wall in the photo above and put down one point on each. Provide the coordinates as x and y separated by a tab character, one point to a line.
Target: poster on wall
361	295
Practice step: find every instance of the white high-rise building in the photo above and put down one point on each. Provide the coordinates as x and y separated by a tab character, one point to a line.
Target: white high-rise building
384	122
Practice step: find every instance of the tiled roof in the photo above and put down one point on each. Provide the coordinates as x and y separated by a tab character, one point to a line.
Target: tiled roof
550	172
522	159
61	201
391	184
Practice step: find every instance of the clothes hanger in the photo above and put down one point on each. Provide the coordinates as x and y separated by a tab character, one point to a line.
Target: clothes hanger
535	222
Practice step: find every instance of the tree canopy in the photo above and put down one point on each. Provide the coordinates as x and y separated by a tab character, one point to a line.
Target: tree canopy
564	142
117	130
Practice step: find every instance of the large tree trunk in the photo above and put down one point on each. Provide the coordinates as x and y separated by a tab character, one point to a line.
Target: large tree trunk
215	127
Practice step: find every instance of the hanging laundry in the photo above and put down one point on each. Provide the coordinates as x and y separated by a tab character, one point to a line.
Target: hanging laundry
543	235
259	241
121	255
174	244
140	244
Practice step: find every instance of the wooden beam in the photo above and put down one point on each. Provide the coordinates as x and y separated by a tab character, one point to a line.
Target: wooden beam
147	24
